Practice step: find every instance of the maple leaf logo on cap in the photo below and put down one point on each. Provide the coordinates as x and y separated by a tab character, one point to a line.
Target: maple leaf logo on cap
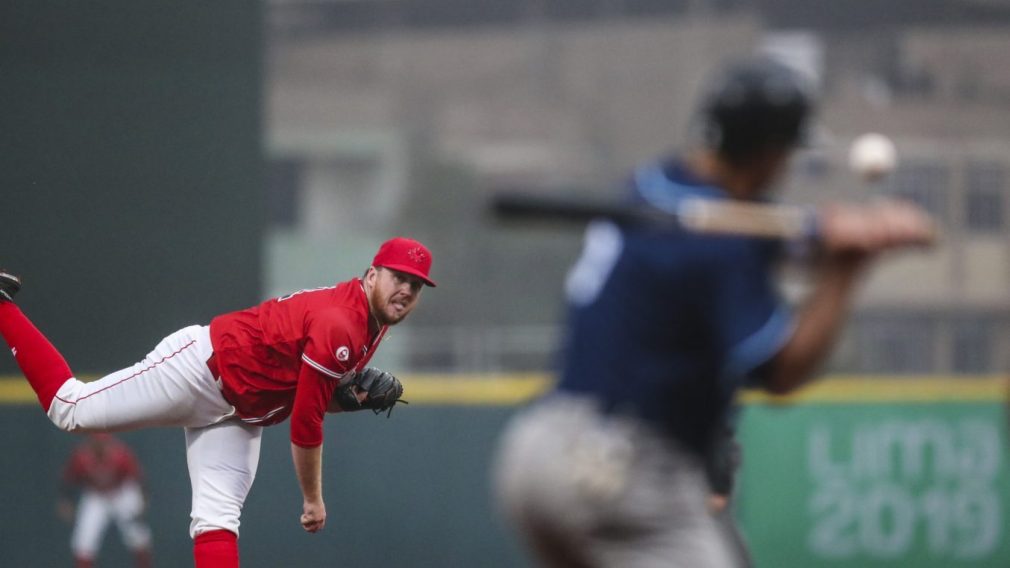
416	254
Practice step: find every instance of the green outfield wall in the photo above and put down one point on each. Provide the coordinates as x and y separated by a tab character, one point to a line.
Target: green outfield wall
855	472
880	485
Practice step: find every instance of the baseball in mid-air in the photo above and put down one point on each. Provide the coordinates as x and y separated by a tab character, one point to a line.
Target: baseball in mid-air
872	156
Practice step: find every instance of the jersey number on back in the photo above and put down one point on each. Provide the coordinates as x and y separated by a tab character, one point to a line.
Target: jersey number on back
603	246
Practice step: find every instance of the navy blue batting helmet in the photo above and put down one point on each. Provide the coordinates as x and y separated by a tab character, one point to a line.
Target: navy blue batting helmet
752	106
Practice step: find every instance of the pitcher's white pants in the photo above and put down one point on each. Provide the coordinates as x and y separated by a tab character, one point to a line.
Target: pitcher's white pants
124	504
172	386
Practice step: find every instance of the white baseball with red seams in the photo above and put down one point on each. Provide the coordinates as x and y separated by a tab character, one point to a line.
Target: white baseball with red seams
872	156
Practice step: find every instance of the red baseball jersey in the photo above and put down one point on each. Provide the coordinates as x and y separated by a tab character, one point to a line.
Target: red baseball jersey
286	356
101	471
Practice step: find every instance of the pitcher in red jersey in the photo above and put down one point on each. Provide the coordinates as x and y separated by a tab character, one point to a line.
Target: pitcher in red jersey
299	355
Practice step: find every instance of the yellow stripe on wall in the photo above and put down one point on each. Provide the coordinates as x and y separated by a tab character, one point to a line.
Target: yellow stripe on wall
866	389
16	391
512	389
837	389
500	390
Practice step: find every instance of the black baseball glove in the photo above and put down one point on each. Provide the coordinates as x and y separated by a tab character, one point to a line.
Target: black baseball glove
384	391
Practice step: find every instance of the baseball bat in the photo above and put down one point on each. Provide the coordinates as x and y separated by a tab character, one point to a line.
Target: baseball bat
696	215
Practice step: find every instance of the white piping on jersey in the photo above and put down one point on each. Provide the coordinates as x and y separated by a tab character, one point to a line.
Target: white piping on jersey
663	193
762	344
265	416
348	375
321	368
303	291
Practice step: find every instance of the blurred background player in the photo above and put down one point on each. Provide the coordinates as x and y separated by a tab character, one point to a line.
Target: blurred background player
110	481
665	327
300	355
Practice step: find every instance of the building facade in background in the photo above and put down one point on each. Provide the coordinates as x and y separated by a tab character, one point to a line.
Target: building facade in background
407	125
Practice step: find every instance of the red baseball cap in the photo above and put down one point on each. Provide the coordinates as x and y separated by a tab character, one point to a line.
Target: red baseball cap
405	255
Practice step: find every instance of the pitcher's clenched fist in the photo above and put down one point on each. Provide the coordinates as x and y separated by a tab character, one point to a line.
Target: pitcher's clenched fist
313	516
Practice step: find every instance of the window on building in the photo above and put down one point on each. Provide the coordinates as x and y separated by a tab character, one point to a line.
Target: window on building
284	185
897	345
972	349
926	183
985	183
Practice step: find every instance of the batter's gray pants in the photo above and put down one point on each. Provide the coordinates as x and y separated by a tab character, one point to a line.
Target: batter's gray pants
588	489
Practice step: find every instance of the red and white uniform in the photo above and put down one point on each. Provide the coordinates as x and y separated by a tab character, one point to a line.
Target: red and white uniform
110	482
287	356
223	382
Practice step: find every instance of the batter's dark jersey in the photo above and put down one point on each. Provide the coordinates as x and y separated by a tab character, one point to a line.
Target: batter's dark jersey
666	325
